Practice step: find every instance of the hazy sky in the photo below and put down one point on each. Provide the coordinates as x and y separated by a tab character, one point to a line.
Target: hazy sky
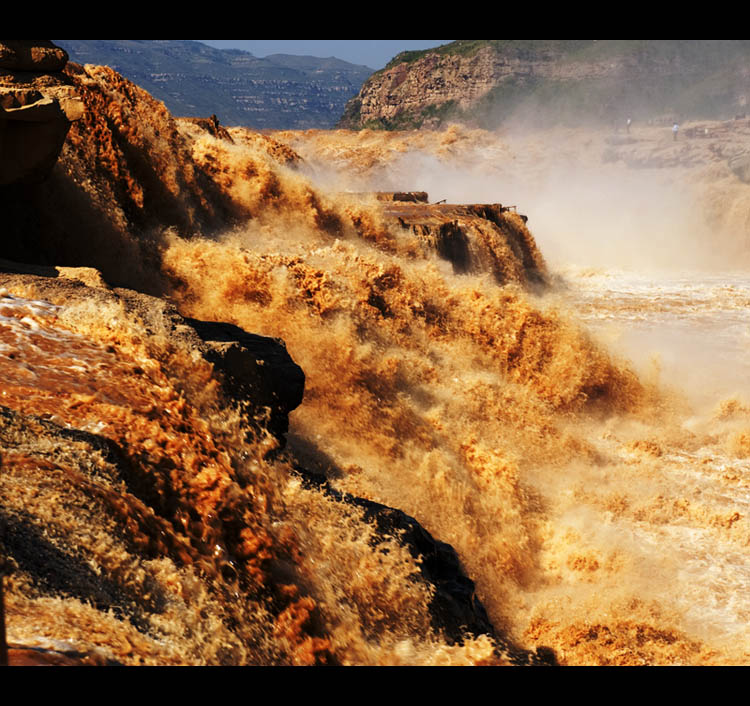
375	53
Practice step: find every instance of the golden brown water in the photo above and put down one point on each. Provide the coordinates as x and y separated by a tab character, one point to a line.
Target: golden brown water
599	517
188	456
584	450
613	531
468	407
665	514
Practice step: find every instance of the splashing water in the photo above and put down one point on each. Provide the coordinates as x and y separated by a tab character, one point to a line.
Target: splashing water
597	495
670	498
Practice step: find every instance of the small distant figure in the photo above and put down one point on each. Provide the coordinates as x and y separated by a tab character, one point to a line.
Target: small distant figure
675	130
627	125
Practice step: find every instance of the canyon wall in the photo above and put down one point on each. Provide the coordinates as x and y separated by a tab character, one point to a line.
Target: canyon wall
547	82
449	487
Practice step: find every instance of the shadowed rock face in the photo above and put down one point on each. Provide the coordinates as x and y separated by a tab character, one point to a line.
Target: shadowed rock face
455	610
37	106
257	372
474	238
255	368
31	55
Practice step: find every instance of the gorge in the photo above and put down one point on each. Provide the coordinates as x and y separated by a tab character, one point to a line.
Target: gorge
265	401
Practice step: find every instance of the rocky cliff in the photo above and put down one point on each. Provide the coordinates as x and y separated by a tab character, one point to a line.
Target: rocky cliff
37	106
478	238
543	82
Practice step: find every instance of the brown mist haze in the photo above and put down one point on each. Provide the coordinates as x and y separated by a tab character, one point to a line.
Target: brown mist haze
597	510
677	206
669	214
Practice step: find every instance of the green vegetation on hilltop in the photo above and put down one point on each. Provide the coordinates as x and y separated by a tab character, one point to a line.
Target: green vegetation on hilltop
711	52
520	48
562	81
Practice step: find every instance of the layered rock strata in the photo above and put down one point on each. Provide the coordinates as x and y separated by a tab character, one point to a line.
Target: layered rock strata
37	106
554	81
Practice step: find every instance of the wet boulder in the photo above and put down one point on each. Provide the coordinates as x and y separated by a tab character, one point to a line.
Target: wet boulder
257	371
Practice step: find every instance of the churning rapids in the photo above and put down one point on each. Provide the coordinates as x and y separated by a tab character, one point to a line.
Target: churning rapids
679	497
580	436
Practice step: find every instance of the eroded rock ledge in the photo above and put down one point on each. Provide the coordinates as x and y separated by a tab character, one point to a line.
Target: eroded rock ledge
474	238
37	106
257	372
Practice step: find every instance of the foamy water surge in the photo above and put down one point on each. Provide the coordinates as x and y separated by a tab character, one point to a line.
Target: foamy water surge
695	325
586	451
670	497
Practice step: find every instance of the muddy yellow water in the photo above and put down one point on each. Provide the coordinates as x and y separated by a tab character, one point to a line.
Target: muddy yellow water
576	448
655	533
586	450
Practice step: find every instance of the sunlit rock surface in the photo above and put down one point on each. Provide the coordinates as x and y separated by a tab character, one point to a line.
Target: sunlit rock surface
37	105
587	500
475	238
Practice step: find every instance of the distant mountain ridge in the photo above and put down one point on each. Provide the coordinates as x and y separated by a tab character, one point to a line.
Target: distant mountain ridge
488	82
195	80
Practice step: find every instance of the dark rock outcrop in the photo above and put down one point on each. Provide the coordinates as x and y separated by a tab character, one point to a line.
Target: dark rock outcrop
31	55
256	369
257	372
37	106
455	610
474	238
210	125
102	507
